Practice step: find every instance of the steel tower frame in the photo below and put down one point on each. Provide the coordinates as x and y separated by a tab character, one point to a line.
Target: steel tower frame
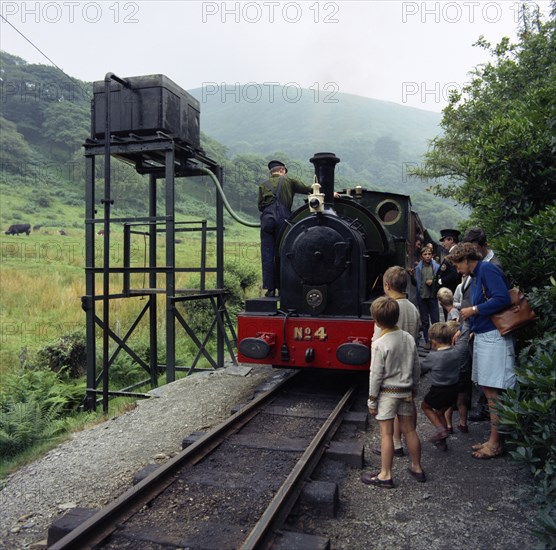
158	156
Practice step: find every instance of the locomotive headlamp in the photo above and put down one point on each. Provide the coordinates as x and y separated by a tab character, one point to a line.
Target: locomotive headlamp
314	204
316	198
259	347
354	352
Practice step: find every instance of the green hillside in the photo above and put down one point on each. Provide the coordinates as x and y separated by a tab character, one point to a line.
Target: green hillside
377	141
46	117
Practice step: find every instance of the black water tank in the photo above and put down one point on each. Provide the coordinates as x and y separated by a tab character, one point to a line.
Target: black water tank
151	103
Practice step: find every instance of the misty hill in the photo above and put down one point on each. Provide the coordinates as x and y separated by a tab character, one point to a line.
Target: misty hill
265	119
375	140
45	117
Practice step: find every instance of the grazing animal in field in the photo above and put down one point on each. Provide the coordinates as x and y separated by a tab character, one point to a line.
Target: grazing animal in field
63	232
18	228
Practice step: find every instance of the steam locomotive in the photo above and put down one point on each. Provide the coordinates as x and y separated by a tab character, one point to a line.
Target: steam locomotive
330	259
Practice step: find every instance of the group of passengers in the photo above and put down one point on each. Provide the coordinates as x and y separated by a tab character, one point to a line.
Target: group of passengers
465	346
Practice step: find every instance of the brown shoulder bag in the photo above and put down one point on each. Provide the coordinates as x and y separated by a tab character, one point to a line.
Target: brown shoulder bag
517	315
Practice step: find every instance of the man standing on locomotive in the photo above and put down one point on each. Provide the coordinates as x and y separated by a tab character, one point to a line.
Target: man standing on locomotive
275	201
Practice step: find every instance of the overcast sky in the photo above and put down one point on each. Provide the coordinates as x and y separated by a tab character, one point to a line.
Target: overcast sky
409	53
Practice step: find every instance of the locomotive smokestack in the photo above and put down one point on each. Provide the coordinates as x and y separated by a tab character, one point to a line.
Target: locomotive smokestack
324	170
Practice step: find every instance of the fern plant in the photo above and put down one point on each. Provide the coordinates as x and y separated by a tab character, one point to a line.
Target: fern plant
35	406
24	424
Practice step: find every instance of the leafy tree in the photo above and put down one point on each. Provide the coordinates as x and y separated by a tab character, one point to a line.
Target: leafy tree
65	123
499	138
498	153
15	151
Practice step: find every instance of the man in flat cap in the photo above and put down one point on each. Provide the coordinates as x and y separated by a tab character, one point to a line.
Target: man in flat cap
447	274
275	203
477	236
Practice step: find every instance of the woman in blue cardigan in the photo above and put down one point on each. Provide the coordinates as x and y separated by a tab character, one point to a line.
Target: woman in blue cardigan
493	354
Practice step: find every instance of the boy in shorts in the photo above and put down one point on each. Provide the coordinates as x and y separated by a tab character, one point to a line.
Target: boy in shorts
444	363
395	281
394	379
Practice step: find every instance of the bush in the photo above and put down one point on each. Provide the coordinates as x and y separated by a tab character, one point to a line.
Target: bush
42	385
528	412
24	424
238	277
68	355
528	249
43	201
36	402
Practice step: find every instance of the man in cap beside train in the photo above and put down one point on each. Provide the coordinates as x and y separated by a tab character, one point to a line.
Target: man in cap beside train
447	274
275	202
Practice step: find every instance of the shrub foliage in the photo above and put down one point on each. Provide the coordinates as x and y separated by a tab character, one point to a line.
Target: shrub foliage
498	152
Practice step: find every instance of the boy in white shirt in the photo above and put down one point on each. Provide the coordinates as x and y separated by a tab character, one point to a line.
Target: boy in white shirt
394	281
394	379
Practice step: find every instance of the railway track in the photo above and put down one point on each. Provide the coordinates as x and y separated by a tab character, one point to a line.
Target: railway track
234	486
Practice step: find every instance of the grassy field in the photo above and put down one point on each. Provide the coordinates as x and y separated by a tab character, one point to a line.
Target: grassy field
42	280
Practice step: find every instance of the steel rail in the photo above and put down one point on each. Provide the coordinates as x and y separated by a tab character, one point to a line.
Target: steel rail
282	503
97	528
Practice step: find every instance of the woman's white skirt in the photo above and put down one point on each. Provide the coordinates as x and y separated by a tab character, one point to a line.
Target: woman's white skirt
493	360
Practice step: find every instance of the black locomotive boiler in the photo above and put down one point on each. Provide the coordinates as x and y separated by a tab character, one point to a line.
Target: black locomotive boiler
330	259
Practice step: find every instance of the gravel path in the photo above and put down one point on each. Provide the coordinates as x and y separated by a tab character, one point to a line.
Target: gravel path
465	503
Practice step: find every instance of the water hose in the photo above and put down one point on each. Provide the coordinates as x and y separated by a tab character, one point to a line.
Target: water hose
225	200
